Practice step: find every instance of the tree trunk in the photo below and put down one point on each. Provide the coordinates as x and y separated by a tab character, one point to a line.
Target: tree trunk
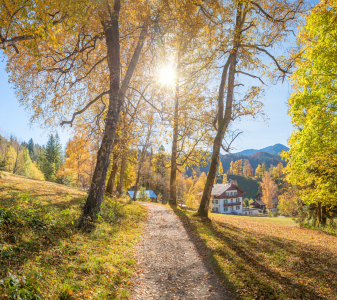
223	120
116	99
111	182
319	213
324	215
173	175
141	161
121	175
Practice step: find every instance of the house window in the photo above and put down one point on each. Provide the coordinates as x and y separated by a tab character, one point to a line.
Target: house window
238	208
226	208
226	201
216	209
212	201
216	201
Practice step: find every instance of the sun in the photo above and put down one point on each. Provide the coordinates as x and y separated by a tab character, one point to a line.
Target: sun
167	75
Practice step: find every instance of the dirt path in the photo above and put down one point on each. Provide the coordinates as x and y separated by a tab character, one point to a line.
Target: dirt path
170	265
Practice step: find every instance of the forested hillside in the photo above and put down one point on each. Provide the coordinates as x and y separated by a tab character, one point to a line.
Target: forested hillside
254	159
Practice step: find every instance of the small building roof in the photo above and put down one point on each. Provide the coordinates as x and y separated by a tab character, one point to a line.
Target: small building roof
150	193
259	202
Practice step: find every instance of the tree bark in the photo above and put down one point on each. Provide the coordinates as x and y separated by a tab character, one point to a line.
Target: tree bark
111	182
324	215
116	100
319	212
223	120
121	175
173	174
141	162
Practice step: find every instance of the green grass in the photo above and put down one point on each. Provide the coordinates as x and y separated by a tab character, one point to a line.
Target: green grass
259	259
44	256
249	185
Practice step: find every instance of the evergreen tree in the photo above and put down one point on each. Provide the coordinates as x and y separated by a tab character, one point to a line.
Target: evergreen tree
53	158
30	148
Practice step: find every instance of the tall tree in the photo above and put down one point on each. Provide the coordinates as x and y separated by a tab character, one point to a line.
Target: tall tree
312	107
269	190
246	43
30	148
53	157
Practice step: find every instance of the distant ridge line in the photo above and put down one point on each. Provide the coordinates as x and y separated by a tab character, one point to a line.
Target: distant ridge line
275	149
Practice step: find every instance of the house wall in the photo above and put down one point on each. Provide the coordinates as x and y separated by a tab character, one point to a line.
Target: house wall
231	209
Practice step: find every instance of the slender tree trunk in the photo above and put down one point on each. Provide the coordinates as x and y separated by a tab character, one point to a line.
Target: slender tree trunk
324	215
141	162
319	213
116	99
121	175
111	182
173	175
223	120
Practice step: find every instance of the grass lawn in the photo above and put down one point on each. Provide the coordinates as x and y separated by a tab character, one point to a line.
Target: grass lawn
44	256
286	221
261	258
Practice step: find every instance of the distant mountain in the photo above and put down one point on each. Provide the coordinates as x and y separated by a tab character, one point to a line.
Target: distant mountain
255	159
276	150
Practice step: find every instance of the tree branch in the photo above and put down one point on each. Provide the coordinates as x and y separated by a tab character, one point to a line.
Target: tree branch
84	109
253	76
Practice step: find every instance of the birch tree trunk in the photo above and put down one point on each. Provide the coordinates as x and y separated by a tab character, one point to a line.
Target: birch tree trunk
173	174
223	119
116	99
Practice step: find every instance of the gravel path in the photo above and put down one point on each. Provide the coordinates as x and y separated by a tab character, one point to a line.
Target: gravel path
169	263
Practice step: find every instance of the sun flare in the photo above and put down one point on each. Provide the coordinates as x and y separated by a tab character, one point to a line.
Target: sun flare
167	75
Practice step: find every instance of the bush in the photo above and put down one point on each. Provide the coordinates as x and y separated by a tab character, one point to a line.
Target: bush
111	211
144	197
264	211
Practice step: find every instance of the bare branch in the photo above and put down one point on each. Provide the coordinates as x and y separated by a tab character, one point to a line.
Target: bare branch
84	109
253	76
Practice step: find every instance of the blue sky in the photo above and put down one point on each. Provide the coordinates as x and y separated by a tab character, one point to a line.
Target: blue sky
256	134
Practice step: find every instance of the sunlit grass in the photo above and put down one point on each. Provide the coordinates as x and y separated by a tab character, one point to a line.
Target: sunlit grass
44	255
259	259
286	221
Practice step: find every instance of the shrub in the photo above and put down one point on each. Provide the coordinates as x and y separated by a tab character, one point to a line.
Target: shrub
111	211
144	197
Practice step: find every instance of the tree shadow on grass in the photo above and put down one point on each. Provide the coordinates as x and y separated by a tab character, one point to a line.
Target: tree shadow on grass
262	266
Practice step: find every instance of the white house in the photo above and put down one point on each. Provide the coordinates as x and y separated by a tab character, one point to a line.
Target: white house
227	198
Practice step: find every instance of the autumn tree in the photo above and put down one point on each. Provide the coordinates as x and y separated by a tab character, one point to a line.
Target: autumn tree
269	191
224	178
247	170
312	157
220	169
260	170
91	66
247	46
78	162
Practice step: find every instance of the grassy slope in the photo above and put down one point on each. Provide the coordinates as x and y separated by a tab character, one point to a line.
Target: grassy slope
249	185
43	245
261	260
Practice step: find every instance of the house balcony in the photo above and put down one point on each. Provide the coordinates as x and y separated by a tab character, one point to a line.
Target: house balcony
232	196
231	204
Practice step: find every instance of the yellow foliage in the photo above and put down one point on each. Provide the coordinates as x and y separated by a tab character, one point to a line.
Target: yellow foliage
35	173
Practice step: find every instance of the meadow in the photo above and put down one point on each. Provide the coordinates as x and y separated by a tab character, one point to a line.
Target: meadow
43	255
268	258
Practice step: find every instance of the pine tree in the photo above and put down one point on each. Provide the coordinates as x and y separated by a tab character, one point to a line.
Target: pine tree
52	158
30	148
